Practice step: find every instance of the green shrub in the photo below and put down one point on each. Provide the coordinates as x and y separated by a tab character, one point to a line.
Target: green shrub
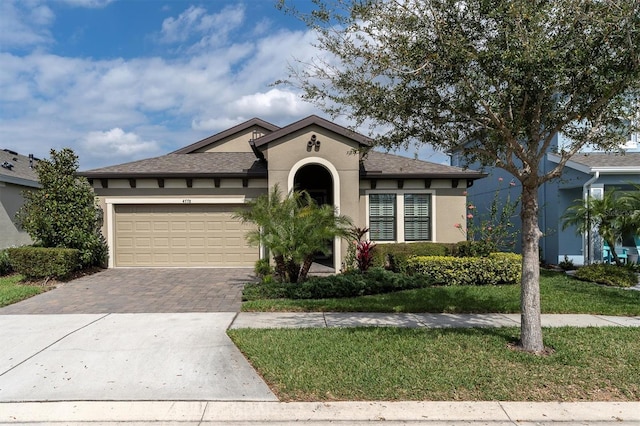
40	262
5	265
394	256
348	284
497	268
475	248
606	274
262	268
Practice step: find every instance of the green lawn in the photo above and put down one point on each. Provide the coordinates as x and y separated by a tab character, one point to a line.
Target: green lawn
559	294
12	291
589	364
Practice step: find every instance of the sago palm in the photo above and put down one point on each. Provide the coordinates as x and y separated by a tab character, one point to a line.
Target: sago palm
293	228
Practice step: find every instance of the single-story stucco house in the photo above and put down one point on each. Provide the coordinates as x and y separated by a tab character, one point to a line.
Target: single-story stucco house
177	210
17	174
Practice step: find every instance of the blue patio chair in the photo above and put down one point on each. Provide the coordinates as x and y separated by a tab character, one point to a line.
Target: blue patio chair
608	257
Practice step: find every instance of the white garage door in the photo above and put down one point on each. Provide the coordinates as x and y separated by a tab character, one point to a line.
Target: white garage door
181	235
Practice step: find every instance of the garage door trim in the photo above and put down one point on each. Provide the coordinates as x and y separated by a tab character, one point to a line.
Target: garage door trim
112	202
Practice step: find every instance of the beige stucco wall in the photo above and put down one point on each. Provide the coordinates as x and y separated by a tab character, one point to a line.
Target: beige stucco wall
335	154
238	142
450	209
10	202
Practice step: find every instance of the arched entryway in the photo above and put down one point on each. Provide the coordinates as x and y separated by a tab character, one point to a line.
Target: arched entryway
318	182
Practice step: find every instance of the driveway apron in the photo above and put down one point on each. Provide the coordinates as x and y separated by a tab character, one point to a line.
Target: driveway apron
129	334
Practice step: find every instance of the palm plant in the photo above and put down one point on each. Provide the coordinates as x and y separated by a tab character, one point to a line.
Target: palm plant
609	215
632	200
293	228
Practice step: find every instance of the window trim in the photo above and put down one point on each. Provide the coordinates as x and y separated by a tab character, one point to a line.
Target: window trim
400	193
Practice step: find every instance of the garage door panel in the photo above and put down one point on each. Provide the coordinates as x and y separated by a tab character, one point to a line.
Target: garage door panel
181	235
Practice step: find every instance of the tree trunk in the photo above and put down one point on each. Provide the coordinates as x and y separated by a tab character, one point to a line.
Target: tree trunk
306	265
293	271
281	268
614	255
530	328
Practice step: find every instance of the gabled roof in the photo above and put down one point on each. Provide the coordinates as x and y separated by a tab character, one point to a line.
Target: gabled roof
603	162
380	165
186	162
318	121
202	164
226	133
17	170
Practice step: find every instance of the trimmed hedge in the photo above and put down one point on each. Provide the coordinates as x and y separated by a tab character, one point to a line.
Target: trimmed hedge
41	262
497	268
348	284
5	265
393	256
612	275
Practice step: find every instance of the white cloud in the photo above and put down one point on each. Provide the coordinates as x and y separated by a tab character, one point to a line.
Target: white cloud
118	143
53	101
207	29
24	26
275	102
88	3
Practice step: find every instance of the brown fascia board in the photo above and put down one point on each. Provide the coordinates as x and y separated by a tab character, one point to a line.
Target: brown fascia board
380	175
318	121
121	175
226	133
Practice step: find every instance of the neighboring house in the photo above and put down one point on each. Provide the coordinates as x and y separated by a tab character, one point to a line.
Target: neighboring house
586	173
17	174
178	209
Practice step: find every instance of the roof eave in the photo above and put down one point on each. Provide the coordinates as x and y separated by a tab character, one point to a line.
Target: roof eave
374	175
226	133
20	181
308	121
167	175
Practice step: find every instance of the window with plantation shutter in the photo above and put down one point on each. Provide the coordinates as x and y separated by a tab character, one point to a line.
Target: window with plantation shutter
382	217
417	217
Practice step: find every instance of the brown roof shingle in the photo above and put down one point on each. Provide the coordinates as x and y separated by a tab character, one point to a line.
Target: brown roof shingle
186	165
378	164
375	165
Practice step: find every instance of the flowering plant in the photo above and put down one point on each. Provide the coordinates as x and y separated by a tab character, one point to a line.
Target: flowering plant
494	230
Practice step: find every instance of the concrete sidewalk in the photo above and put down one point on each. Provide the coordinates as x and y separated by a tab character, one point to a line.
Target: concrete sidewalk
362	319
202	413
182	369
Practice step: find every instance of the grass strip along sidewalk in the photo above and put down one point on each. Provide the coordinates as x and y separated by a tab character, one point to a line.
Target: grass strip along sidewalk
588	364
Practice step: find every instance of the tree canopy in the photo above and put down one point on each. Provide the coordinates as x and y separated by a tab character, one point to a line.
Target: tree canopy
496	80
64	213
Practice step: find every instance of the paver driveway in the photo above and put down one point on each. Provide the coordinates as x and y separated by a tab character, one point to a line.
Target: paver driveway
142	290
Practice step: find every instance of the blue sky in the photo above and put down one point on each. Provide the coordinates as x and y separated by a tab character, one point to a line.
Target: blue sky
120	80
